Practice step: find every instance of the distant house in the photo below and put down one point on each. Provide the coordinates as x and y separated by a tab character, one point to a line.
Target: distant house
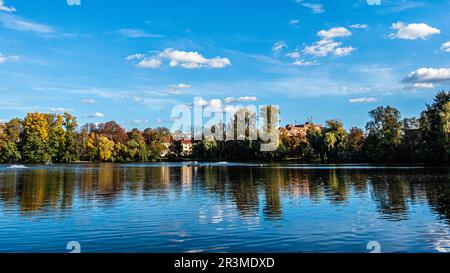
187	147
186	143
301	130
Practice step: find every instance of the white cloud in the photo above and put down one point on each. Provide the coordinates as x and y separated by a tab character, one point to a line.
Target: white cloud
240	99
423	85
150	63
334	33
363	100
5	8
181	86
343	51
137	33
300	62
96	115
214	105
360	26
136	56
192	59
315	8
293	55
74	2
328	46
278	46
188	60
401	5
88	101
413	31
3	58
428	75
178	89
294	22
446	47
175	92
19	24
61	110
201	102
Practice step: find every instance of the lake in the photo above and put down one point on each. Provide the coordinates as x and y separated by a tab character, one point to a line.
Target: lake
224	207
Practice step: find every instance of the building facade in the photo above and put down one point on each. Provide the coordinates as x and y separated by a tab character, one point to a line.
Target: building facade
301	130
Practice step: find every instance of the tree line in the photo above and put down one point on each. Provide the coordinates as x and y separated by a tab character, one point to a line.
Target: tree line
387	137
41	137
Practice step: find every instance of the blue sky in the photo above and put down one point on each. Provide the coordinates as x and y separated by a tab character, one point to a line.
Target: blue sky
132	61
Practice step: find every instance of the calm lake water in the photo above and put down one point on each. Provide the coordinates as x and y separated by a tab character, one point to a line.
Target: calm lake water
173	207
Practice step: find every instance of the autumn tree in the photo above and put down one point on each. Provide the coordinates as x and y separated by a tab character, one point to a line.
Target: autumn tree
8	149
10	140
113	131
93	147
355	144
156	140
35	138
105	149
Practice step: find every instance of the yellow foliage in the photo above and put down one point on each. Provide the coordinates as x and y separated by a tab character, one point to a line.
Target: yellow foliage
106	148
37	123
91	141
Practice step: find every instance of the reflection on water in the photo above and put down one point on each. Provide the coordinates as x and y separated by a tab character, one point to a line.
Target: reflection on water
238	207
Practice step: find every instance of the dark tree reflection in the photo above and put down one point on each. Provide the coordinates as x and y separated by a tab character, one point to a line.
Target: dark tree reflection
252	190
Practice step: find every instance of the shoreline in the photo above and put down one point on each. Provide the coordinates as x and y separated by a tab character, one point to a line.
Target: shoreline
194	163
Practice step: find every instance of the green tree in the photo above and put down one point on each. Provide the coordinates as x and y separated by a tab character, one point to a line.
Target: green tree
434	125
210	148
412	140
176	149
57	138
315	149
137	151
120	153
9	152
35	149
384	134
70	124
335	139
